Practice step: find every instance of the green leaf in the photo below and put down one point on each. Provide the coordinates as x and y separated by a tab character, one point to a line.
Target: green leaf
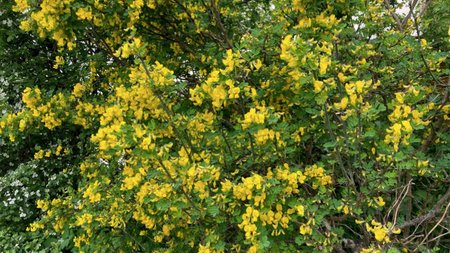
330	144
299	240
393	250
213	210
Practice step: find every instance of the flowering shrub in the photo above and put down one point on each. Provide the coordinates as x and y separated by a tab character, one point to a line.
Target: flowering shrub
247	126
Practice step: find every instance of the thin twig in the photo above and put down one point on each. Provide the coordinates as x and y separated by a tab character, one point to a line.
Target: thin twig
431	214
398	202
217	18
435	226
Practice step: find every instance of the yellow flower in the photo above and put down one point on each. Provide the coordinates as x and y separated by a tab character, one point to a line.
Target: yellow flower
22	125
78	90
399	97
379	233
300	210
359	85
131	182
378	230
323	64
91	192
226	185
254	117
31	97
21	5
39	155
228	61
84	219
263	135
204	249
359	222
318	85
84	14
258	64
234	92
396	128
343	104
58	150
396	231
407	126
423	42
196	96
342	78
218	96
166	230
286	46
35	226
380	201
305	229
25	25
58	62
42	204
253	249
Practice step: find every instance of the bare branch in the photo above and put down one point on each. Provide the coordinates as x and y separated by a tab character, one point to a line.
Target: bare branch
430	215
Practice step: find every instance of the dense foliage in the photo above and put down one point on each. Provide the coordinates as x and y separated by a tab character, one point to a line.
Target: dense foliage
224	126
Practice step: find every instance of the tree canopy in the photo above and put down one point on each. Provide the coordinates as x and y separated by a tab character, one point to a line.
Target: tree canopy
224	126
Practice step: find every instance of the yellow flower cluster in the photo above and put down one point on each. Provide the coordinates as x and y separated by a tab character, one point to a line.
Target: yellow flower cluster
249	218
78	90
48	20
244	190
201	123
92	193
318	173
402	116
154	190
59	60
264	135
85	111
51	113
35	226
305	229
293	178
356	90
42	153
255	116
278	218
231	61
214	87
160	75
31	97
106	137
379	231
21	5
146	220
84	14
287	48
85	218
141	100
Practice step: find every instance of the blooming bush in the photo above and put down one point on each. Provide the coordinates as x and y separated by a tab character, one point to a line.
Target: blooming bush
247	126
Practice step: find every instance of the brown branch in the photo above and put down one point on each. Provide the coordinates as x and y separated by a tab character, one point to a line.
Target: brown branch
337	153
412	6
435	226
393	15
160	33
430	215
217	18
